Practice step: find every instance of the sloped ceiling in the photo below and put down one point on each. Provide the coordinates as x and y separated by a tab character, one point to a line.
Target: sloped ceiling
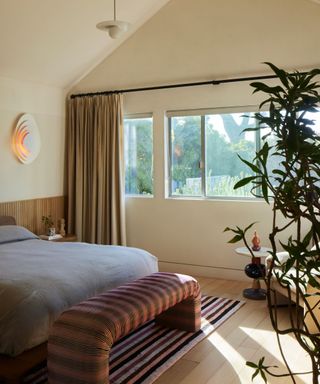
55	42
190	41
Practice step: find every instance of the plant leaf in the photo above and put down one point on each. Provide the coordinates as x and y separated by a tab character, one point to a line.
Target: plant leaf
280	73
243	182
235	239
254	167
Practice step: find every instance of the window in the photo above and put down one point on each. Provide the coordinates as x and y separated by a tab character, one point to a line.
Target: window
203	151
311	119
138	155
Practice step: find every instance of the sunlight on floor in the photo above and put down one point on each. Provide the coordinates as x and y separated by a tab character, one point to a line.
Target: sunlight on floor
298	359
234	369
235	358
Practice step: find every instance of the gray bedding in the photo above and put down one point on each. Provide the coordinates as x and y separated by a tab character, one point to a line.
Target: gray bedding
39	279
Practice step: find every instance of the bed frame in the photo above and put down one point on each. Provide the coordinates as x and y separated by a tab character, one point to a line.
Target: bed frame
7	220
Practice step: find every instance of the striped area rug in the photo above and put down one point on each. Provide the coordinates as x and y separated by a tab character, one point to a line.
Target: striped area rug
142	356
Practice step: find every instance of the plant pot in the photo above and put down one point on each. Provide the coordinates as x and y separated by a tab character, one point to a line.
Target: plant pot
51	231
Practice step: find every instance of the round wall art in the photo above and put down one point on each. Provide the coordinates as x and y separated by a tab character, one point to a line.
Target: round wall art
26	139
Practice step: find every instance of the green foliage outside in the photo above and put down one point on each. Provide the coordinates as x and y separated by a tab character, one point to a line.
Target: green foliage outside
225	187
138	156
185	153
223	144
223	167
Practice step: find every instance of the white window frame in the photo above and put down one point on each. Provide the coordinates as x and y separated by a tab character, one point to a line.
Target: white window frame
202	113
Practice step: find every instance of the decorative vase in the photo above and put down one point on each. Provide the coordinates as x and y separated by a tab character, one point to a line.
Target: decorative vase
256	242
255	271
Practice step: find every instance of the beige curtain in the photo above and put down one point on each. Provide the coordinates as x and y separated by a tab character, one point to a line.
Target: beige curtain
94	169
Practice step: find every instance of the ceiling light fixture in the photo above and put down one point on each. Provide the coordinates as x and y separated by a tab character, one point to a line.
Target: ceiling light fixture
115	28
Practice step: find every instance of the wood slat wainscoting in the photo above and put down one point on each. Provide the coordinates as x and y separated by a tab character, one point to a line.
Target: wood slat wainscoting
28	213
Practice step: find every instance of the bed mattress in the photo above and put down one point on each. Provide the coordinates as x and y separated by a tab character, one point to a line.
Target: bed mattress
39	279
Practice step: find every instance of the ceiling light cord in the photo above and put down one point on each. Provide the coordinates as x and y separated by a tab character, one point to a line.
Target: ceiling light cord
114	10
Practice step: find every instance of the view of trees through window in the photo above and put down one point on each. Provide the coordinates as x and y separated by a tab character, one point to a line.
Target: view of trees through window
204	154
138	156
274	161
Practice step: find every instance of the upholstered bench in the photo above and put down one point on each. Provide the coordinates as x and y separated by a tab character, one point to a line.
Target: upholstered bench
81	338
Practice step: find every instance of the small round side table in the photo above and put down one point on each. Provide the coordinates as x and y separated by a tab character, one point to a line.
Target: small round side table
255	292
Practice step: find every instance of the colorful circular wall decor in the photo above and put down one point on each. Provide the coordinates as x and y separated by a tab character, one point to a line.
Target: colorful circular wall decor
26	139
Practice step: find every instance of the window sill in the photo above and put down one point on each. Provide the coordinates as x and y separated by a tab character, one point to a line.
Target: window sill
217	198
139	196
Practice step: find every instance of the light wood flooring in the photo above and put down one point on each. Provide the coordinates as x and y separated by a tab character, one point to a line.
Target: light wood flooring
245	336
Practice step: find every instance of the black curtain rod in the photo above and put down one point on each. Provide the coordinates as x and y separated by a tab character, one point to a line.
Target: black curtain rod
168	86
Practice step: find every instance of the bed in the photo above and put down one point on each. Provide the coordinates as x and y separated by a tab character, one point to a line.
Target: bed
39	279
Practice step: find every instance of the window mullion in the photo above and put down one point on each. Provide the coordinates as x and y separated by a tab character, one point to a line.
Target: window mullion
203	156
170	155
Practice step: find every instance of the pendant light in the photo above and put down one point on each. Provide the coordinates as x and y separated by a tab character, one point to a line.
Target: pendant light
115	28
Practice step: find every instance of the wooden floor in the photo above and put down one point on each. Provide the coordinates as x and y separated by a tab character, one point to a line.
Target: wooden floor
246	336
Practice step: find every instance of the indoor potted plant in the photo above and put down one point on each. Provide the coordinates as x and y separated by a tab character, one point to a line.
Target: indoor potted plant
49	225
291	187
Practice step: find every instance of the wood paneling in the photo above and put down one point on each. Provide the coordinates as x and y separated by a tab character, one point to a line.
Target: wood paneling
28	213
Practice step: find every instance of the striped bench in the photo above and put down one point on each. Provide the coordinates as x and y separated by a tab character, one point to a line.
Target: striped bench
81	338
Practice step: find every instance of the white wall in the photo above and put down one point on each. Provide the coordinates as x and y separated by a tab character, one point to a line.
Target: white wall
43	177
199	40
183	231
